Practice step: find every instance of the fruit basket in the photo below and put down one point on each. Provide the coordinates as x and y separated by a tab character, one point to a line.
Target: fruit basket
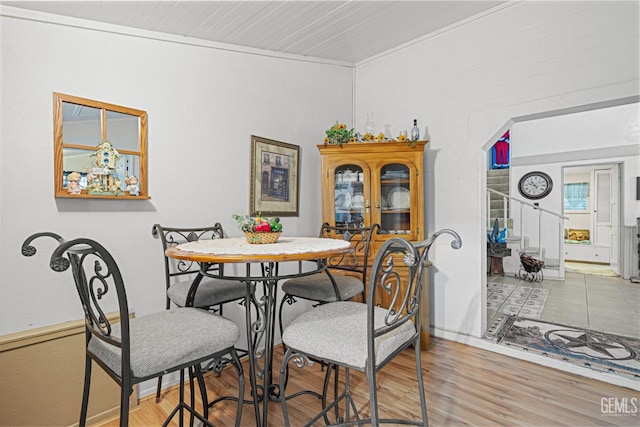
259	229
261	237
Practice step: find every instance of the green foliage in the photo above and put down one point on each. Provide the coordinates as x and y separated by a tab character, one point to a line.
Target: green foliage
257	223
339	134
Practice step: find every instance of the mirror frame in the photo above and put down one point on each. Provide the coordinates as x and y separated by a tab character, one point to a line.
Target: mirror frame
59	146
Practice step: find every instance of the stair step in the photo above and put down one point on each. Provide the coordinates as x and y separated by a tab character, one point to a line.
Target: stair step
495	176
499	210
498	172
501	187
498	213
492	181
497	204
501	223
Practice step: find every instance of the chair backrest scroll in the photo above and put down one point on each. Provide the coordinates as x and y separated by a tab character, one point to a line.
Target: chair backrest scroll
360	236
95	274
172	236
398	270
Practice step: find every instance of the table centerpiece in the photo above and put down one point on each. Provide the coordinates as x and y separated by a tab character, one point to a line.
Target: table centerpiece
259	229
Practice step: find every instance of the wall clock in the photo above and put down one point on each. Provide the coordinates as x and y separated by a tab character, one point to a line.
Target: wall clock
535	185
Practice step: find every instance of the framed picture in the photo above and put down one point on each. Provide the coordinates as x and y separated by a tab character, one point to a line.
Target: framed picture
275	177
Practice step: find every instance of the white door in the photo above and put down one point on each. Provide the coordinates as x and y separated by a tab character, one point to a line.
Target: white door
614	248
606	212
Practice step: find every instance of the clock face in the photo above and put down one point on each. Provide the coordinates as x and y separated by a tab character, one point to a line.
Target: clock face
535	185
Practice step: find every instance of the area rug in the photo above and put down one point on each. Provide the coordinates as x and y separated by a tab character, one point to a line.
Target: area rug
525	301
591	349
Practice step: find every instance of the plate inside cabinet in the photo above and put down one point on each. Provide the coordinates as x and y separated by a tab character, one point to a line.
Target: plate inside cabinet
399	198
383	202
343	200
357	201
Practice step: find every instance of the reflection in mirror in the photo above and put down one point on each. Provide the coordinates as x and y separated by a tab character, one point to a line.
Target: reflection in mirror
80	124
99	149
77	159
123	128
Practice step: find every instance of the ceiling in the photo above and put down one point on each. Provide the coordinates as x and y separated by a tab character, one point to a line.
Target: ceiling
344	31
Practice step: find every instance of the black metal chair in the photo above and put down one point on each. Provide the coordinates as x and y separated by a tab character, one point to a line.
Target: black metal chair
141	348
210	294
363	336
179	275
349	271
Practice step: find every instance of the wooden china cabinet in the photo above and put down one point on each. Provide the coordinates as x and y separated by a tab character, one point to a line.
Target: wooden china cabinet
380	182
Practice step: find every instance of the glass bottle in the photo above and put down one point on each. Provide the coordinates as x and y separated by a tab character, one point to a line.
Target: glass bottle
415	131
387	131
369	126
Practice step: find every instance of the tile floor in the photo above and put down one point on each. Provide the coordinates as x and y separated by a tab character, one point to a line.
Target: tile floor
599	303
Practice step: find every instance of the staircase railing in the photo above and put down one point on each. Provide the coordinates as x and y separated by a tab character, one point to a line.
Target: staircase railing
507	199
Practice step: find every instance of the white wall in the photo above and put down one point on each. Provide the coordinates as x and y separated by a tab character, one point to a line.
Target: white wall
465	83
203	104
607	135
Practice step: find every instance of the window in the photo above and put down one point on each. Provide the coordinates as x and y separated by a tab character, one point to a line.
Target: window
576	196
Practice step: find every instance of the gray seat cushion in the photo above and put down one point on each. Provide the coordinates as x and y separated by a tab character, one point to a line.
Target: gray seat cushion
338	332
210	292
318	287
163	340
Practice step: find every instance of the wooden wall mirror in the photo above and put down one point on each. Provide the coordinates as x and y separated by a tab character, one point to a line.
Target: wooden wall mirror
99	149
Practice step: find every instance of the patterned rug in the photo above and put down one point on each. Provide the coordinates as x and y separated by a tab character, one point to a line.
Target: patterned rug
596	350
525	301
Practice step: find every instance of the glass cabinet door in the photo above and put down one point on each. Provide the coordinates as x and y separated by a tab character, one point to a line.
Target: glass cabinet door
350	205
395	200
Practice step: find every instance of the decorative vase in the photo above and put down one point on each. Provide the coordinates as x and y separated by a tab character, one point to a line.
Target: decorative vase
369	125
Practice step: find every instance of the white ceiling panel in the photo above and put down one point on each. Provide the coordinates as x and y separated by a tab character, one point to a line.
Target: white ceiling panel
346	31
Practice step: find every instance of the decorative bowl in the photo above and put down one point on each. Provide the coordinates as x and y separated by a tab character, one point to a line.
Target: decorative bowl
262	237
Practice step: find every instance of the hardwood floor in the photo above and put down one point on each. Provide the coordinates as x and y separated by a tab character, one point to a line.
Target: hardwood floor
464	386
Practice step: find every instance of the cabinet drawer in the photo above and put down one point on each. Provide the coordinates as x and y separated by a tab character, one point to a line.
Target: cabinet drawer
587	253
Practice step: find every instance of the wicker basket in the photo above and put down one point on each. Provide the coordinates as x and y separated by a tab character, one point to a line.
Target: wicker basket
530	264
262	237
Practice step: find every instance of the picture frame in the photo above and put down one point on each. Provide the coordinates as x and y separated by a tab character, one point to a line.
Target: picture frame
275	178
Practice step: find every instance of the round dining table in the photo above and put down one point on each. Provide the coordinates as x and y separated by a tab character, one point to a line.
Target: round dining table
265	260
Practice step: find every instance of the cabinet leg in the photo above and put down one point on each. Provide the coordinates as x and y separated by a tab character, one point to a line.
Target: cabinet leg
425	339
496	266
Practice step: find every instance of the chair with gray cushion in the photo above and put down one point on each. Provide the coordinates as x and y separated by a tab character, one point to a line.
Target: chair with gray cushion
140	348
349	271
210	293
179	274
363	336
